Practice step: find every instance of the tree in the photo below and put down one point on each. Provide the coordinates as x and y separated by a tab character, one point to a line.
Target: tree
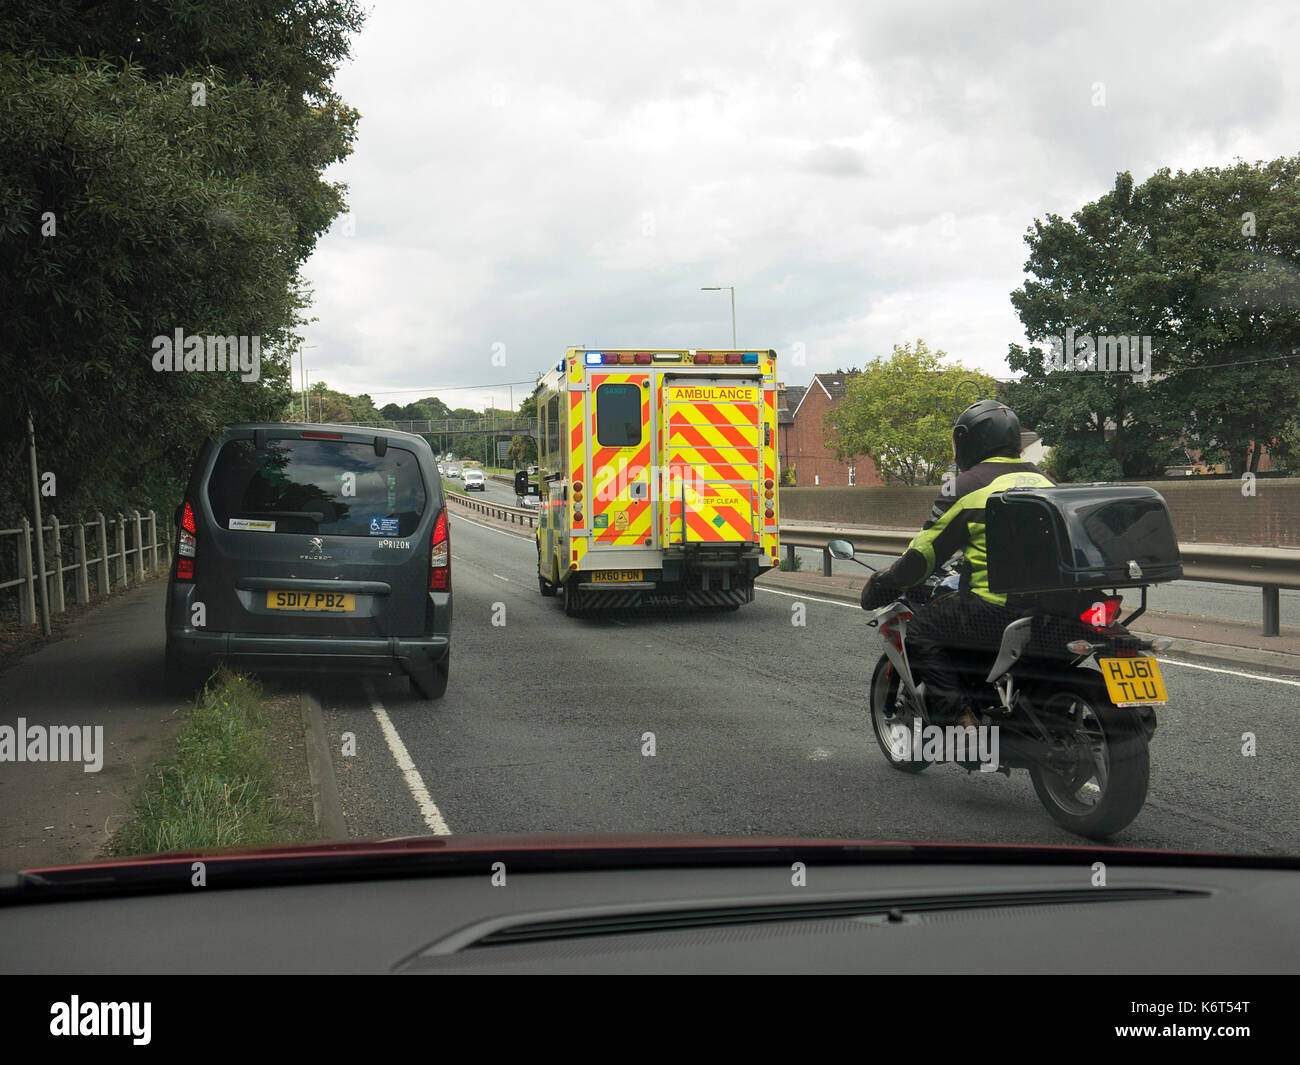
900	412
162	170
1207	265
523	451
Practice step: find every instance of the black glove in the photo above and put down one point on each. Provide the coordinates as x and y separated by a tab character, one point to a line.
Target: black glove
878	592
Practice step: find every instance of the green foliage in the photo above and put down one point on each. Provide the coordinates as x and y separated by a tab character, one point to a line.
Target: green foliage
1174	259
326	405
127	212
789	475
523	451
219	790
900	412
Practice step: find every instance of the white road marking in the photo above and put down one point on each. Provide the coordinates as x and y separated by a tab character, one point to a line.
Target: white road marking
1230	672
808	598
492	528
428	810
501	578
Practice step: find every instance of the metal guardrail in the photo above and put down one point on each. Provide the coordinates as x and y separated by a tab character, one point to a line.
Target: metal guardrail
1268	568
497	510
149	553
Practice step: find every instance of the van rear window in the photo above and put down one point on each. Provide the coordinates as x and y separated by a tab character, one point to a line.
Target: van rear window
317	486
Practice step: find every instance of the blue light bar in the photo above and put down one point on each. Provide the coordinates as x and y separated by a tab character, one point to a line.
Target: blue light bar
750	358
594	358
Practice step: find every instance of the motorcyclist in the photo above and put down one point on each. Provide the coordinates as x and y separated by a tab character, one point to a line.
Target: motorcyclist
986	446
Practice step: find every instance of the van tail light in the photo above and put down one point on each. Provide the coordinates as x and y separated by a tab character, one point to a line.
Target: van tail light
1101	615
187	547
440	556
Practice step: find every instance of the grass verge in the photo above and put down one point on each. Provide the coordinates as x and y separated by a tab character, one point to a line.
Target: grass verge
235	778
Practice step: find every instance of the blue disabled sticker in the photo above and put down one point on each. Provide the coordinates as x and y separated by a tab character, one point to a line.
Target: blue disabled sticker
383	526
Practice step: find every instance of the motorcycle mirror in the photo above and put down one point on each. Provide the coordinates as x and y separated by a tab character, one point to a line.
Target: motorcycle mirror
840	549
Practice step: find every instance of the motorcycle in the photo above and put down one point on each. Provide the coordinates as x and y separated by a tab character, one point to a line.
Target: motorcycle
1080	722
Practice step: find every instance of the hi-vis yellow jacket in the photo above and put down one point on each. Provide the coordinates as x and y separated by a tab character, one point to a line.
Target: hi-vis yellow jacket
956	523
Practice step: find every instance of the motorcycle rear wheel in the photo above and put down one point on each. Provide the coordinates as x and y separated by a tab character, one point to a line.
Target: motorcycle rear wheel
1100	781
887	715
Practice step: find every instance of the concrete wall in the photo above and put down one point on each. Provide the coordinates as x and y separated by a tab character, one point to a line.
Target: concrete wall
1204	512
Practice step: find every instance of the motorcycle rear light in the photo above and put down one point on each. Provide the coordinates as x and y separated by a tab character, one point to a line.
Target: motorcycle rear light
1080	647
1101	615
440	556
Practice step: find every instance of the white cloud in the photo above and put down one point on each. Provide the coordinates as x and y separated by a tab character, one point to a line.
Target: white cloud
544	174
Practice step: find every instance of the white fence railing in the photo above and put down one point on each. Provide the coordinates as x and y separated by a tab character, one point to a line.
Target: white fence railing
81	560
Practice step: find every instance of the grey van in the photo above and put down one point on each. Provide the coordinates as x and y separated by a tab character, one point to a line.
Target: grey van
312	547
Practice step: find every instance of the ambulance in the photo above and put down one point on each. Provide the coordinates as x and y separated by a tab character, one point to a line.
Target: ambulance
658	478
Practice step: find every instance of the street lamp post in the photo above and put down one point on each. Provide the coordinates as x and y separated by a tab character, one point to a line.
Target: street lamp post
732	290
302	359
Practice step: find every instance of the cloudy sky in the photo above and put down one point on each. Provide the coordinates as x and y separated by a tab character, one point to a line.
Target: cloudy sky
531	176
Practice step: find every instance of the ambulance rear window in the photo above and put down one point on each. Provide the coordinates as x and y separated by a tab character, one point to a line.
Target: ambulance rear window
618	415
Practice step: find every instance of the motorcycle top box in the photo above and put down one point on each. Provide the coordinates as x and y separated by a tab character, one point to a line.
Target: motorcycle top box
1075	537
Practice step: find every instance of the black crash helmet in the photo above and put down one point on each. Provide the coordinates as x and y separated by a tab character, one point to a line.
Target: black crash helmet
983	429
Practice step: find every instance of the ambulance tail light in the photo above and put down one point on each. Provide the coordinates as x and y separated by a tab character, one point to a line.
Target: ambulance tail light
187	547
440	556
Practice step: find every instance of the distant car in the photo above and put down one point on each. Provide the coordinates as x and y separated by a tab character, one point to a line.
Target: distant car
453	471
475	479
530	501
311	548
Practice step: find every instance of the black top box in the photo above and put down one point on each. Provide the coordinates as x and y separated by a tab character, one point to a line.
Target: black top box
1085	536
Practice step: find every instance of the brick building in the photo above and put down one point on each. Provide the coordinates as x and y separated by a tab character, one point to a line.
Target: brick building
801	411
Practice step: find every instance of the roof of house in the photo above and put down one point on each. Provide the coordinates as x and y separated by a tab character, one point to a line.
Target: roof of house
835	385
789	399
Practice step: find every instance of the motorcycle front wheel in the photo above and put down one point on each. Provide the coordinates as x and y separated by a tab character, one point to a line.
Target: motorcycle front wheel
891	721
1094	779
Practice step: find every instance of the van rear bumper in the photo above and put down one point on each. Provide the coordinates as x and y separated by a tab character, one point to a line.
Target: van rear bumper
263	653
